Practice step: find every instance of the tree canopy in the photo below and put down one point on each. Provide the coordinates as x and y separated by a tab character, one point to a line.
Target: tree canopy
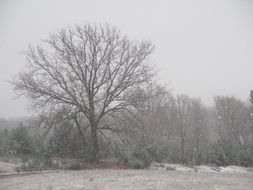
88	70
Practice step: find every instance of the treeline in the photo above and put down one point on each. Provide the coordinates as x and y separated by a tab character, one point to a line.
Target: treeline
94	90
160	127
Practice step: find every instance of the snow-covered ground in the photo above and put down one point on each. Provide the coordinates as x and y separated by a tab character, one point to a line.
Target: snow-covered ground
203	168
7	167
166	176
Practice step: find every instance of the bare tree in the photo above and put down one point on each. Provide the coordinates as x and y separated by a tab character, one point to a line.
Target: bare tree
151	110
183	104
199	130
87	69
251	111
232	115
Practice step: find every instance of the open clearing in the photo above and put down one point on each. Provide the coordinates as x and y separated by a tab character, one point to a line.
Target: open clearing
129	179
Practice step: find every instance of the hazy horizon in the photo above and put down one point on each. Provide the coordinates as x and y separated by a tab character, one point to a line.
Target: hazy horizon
203	48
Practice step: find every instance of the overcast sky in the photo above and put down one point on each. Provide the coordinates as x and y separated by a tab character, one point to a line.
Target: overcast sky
203	48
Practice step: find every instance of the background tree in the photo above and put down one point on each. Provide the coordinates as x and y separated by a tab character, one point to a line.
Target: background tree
198	131
89	70
183	104
251	112
20	142
232	118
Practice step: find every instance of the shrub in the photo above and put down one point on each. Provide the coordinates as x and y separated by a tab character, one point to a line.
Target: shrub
140	158
76	166
243	157
21	143
223	153
35	164
170	168
229	152
158	151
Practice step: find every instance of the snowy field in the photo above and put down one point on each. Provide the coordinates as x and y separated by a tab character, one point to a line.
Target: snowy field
155	178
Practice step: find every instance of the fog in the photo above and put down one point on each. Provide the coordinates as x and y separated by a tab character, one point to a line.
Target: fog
203	48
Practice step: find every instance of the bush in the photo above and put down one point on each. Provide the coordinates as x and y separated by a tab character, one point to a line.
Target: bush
36	164
140	158
76	166
229	152
4	142
133	155
21	143
223	153
158	151
66	141
243	157
170	168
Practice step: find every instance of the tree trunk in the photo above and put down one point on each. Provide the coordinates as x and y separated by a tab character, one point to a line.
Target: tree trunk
183	149
94	143
182	135
81	133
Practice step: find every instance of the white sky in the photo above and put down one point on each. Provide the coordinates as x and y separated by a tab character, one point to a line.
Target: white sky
203	48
